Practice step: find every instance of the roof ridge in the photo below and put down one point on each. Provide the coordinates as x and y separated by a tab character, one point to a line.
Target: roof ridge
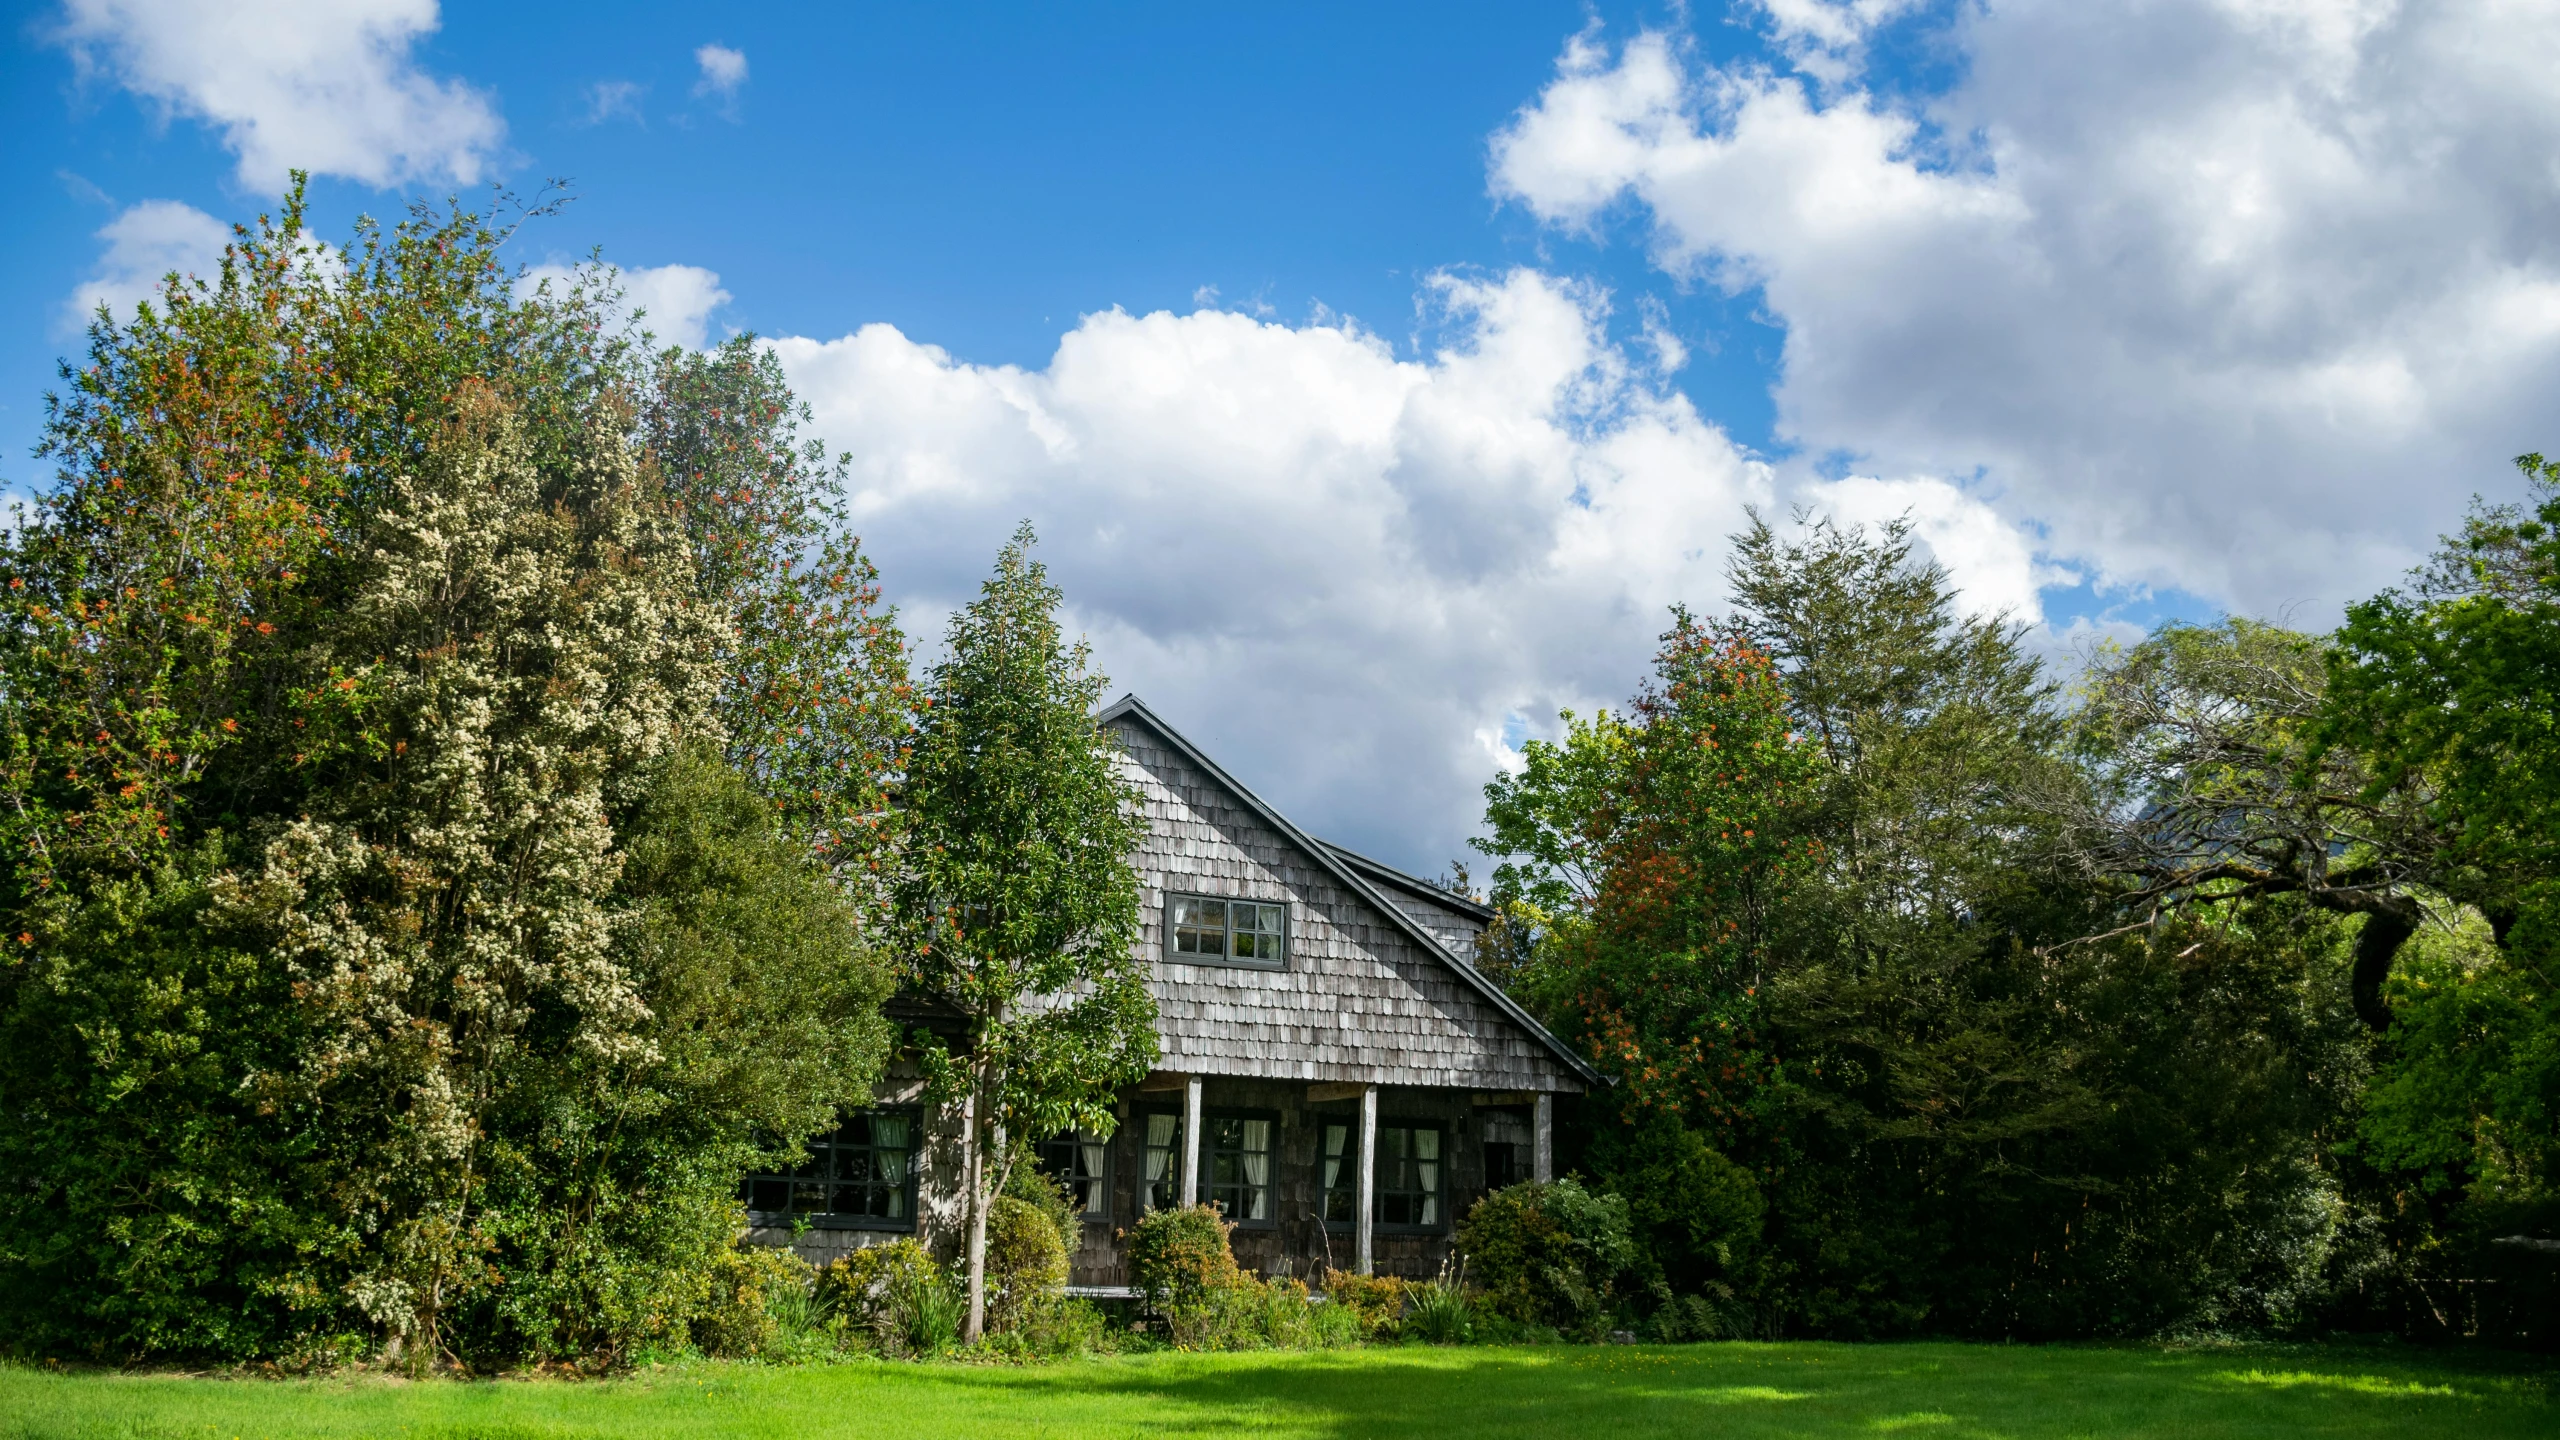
1324	854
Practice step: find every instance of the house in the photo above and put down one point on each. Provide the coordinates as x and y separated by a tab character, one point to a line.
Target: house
1336	1076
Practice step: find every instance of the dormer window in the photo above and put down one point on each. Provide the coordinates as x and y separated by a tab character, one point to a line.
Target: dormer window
1208	930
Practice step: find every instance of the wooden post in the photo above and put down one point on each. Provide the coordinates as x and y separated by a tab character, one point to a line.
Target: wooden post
1542	1145
1191	1142
1366	1221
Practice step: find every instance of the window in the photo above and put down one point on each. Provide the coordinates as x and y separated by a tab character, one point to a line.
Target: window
862	1175
1160	1182
1409	1177
1200	929
1239	1157
1506	1149
1078	1160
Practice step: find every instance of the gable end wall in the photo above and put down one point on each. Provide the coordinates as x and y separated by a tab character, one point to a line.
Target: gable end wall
1359	1001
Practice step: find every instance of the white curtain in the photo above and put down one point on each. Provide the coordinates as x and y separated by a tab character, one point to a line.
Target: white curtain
889	1159
1257	1169
1092	1148
1335	1137
1160	1130
1426	1158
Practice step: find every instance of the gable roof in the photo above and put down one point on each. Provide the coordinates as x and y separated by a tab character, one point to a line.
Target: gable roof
1354	873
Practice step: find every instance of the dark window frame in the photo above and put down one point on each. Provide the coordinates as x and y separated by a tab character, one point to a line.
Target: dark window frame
1350	1179
1076	1140
822	1174
1174	932
1209	1152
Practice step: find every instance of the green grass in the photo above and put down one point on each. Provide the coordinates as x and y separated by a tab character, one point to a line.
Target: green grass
1925	1391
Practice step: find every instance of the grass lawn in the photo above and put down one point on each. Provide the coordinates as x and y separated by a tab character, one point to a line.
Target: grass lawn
1925	1390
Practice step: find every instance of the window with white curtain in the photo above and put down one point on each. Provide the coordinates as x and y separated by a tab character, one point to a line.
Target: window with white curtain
1411	1177
1409	1173
1239	1159
1079	1160
1160	1175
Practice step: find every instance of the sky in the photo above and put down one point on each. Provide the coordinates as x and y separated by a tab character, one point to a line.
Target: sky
1378	377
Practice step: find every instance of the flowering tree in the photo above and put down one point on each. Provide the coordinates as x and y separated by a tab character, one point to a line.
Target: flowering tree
357	651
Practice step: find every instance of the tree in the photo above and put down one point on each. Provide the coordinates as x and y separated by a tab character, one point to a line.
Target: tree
2443	699
2207	781
1017	900
352	653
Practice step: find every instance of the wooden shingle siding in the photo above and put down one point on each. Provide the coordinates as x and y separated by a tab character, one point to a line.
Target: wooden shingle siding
1359	999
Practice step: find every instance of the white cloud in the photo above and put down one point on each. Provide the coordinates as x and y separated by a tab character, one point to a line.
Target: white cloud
1345	573
325	85
673	301
614	100
723	71
145	244
2237	296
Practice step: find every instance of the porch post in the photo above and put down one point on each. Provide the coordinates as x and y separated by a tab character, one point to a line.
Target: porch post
1191	1142
1542	1148
1368	1202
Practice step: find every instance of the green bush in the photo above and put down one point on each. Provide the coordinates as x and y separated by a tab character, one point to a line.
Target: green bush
1044	1192
1374	1302
1025	1260
759	1298
1549	1254
891	1298
1276	1314
1049	1327
1176	1257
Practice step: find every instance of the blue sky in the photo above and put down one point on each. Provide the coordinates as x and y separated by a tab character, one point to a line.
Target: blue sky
1378	375
977	176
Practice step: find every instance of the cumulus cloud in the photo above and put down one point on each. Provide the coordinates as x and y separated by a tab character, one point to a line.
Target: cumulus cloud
1348	574
724	71
143	245
2241	297
325	85
674	302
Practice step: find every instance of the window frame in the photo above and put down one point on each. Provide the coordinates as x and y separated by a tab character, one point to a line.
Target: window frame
823	1149
1078	1140
1271	1179
1378	1223
1286	933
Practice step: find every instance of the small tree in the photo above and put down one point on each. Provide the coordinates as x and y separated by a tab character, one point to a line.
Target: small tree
1018	901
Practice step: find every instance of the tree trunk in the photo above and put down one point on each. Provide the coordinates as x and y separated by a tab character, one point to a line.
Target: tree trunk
2385	930
976	1171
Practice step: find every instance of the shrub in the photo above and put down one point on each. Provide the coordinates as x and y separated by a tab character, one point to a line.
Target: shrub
1176	1257
1439	1311
891	1297
1549	1254
1025	1260
1050	1327
759	1295
1044	1192
1276	1314
1375	1302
